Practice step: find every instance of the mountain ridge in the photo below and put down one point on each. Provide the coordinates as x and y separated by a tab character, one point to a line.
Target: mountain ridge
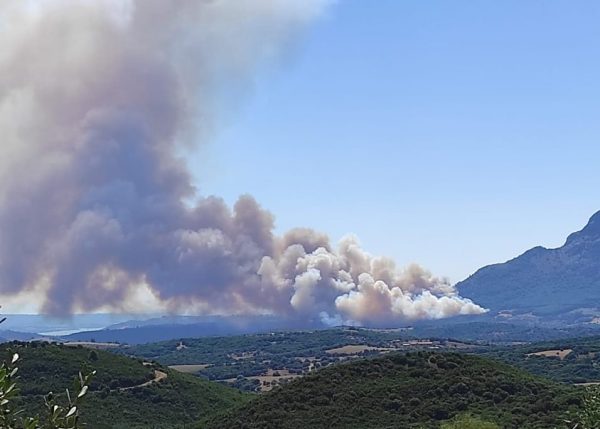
544	281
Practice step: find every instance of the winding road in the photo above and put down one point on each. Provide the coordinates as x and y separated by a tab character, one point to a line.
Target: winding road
158	377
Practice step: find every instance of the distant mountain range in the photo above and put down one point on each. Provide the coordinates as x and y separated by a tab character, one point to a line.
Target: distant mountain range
48	325
173	327
561	285
547	292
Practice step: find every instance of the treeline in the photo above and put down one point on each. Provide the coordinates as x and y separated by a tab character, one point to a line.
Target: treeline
409	391
179	401
580	362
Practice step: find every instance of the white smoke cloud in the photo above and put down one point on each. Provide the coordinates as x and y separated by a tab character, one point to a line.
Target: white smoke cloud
350	286
97	99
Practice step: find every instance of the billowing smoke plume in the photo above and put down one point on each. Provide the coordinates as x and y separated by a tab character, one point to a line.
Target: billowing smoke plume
97	208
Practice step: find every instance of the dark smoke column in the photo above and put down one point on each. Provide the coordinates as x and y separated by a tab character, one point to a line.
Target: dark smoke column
97	99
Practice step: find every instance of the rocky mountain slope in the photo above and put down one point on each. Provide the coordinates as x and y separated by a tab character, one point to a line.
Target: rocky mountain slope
562	282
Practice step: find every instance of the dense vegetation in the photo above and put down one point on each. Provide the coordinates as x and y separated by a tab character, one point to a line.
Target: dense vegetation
46	367
494	332
65	415
295	352
180	401
115	398
413	390
578	361
240	359
273	345
422	389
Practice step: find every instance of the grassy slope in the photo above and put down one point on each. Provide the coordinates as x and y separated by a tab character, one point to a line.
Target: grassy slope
177	401
407	391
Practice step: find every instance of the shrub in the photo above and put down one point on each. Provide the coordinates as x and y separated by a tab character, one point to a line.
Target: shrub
57	417
467	421
589	415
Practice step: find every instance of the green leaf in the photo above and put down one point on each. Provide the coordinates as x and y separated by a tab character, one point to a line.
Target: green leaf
83	391
72	411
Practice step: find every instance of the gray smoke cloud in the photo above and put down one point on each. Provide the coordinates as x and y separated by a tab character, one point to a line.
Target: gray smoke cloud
98	99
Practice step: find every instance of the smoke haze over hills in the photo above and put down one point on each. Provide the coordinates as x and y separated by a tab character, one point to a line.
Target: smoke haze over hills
98	210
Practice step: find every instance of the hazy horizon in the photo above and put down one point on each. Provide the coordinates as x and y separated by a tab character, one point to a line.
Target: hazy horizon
322	160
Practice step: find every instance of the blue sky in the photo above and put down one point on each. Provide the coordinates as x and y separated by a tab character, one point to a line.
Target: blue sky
452	134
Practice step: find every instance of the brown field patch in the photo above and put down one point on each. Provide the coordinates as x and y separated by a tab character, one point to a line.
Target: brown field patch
189	369
561	354
266	380
354	349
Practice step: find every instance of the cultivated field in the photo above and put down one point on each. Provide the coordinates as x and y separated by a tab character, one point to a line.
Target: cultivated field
354	349
561	354
189	369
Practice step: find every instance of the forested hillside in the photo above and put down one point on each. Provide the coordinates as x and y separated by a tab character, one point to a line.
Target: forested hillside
250	361
575	360
124	393
417	390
